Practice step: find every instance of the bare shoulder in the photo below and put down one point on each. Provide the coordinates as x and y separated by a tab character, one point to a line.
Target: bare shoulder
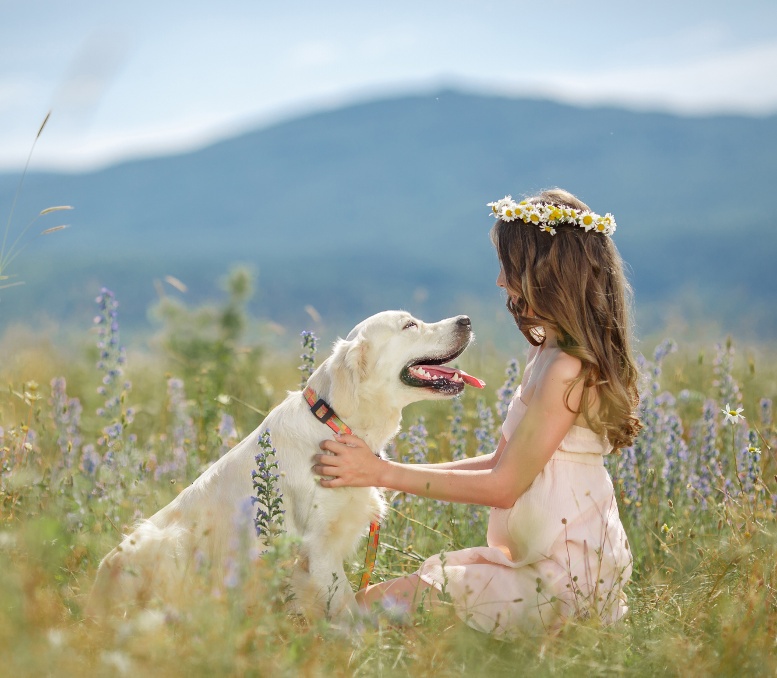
562	370
563	367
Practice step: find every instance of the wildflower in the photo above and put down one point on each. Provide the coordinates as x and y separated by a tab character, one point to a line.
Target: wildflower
268	499
766	412
458	431
750	463
309	345
111	361
676	456
505	394
722	366
66	413
733	415
417	438
226	433
706	437
182	431
485	433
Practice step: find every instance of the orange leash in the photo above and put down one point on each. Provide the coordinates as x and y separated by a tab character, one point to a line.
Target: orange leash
372	554
326	415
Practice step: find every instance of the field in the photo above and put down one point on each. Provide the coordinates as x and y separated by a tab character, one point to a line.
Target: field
91	439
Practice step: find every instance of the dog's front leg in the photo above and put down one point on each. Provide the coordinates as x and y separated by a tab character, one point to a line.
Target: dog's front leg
321	587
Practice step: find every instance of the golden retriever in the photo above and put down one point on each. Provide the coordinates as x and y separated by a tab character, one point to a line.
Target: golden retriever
386	362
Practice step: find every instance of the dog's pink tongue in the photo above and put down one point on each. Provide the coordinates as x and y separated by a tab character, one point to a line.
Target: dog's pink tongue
472	381
448	372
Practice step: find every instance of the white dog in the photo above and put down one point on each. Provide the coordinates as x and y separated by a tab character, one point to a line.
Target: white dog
387	362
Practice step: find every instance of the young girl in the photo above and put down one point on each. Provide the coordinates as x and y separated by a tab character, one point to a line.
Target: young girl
556	546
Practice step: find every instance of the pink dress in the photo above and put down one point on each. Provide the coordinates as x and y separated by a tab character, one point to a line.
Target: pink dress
559	552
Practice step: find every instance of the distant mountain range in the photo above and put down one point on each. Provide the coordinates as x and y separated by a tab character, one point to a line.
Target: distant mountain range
383	204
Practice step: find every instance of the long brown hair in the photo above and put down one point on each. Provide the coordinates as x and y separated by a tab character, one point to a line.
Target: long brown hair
574	283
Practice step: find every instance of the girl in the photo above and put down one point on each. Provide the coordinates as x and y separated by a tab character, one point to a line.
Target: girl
556	546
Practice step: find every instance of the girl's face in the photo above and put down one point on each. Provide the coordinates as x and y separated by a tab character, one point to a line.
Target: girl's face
501	281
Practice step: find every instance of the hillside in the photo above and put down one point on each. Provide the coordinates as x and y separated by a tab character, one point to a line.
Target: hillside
376	205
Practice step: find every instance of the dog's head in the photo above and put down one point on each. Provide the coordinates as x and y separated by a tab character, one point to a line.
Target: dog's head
393	359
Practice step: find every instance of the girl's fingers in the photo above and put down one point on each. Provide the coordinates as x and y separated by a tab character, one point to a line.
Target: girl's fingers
347	438
320	470
332	446
326	459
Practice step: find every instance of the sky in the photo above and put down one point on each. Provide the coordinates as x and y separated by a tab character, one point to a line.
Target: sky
142	78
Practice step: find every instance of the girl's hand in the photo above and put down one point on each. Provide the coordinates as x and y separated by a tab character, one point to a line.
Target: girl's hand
352	463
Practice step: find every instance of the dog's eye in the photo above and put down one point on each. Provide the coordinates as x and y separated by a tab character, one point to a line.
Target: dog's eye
409	324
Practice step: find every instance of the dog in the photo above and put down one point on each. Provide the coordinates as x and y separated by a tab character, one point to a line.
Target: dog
385	363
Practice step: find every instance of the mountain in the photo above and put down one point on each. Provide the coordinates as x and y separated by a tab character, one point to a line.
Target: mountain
382	204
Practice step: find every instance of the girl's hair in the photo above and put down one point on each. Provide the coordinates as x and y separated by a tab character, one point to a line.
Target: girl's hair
574	283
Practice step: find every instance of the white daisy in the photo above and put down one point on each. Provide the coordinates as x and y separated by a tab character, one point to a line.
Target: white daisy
546	216
733	415
499	206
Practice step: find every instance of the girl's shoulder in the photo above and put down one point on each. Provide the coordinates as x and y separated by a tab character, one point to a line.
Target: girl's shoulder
561	365
549	367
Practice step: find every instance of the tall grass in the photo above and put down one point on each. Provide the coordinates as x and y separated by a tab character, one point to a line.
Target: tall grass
13	243
88	446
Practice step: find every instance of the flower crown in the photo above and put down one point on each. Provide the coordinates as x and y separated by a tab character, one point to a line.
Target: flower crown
547	216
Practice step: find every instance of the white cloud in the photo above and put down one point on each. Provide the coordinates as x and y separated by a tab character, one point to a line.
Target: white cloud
736	82
314	54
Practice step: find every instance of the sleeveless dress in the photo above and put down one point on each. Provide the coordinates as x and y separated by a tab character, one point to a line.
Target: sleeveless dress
560	552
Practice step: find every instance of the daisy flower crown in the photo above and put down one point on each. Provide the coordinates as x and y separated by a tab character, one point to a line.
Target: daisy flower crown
547	216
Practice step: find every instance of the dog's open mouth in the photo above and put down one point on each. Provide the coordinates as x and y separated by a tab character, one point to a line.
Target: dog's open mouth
434	374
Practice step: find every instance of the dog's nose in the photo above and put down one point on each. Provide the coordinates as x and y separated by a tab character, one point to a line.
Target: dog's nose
464	321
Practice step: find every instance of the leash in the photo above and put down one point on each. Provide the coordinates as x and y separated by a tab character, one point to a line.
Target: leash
325	413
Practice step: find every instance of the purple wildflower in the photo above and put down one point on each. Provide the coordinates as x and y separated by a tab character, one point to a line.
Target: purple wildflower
182	431
66	413
90	460
765	408
722	367
485	432
111	361
506	392
227	433
309	345
268	497
417	440
708	459
458	431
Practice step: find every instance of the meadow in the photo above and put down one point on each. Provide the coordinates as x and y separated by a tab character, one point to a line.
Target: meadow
93	438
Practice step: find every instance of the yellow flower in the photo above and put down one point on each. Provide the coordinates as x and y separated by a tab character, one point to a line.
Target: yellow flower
555	213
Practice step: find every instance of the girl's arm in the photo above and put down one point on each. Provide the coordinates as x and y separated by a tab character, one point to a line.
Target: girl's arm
536	438
483	461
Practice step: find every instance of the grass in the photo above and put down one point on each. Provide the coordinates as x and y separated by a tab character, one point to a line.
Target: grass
79	467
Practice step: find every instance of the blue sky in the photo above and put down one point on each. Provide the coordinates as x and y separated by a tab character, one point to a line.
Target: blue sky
143	78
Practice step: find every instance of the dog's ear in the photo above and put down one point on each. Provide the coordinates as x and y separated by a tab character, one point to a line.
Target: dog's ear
348	368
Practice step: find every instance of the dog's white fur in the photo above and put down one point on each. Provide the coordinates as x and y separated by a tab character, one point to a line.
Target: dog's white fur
360	380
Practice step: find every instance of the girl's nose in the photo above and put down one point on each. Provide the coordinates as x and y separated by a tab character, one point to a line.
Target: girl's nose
500	279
